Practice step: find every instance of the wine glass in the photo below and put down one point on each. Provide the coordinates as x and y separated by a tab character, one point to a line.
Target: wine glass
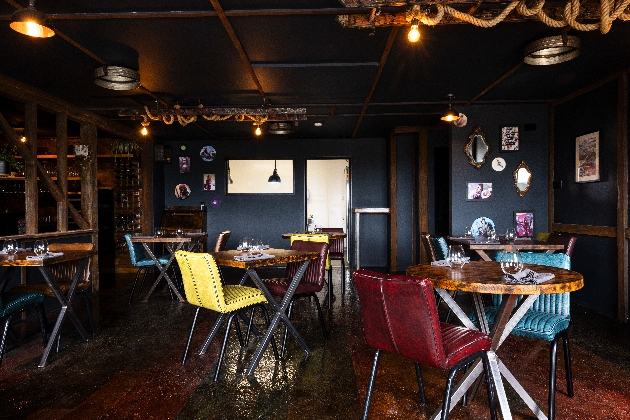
40	247
455	257
245	243
467	231
158	231
510	234
511	262
255	247
179	231
10	247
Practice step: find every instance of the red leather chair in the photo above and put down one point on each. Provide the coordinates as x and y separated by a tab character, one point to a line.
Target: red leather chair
567	240
336	252
311	282
400	317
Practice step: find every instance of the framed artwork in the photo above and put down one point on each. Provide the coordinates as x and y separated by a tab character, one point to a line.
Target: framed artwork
587	157
524	223
509	138
182	191
479	191
208	153
209	183
184	164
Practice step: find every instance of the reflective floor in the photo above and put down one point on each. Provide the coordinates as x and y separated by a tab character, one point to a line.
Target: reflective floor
132	368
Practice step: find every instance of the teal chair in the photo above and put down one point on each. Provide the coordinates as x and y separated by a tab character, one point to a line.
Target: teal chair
138	259
548	319
11	303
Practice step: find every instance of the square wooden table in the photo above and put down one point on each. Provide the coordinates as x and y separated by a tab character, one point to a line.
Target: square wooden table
20	260
281	256
502	245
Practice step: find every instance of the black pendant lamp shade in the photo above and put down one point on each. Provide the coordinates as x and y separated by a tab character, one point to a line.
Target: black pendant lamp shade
274	177
450	114
31	22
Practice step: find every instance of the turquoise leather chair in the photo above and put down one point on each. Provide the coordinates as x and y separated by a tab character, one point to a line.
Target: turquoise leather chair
138	259
11	303
548	319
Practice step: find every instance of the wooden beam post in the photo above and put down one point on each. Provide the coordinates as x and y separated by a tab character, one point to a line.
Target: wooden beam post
62	170
31	191
622	200
89	192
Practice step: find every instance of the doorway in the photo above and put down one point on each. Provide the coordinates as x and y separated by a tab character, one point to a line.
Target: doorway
328	192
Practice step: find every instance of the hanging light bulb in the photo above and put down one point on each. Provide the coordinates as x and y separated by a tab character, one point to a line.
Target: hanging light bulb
450	114
258	131
274	177
31	22
145	124
414	33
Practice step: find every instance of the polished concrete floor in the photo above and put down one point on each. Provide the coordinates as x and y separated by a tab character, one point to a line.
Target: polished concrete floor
131	369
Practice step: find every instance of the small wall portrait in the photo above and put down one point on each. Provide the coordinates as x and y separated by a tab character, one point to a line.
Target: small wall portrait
479	191
524	222
209	183
184	164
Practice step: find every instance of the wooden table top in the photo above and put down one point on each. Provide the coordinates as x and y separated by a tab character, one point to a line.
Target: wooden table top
281	256
19	259
331	235
520	244
487	277
188	237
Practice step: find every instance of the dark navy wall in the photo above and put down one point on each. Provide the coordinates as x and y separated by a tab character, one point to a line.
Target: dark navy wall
593	203
268	216
532	150
406	151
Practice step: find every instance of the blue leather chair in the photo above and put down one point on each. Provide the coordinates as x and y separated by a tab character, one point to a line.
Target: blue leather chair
548	319
138	259
11	303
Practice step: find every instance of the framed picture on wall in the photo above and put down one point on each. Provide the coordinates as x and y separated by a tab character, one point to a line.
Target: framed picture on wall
209	183
509	138
587	157
524	223
184	164
479	191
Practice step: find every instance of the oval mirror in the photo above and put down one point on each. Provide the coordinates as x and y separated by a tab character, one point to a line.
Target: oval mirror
477	148
522	178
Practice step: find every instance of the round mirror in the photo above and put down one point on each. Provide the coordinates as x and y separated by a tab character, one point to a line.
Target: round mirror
477	148
522	178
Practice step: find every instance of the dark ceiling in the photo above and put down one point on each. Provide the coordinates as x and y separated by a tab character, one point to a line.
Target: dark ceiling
293	54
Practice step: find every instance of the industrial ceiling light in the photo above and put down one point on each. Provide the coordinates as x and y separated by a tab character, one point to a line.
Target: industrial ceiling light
31	22
414	33
280	128
258	130
116	78
450	114
274	177
552	50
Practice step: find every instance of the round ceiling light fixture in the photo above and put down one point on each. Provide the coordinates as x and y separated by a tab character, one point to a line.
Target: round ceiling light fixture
280	128
116	78
552	50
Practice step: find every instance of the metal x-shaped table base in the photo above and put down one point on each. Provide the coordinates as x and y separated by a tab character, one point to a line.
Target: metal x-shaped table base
505	321
164	268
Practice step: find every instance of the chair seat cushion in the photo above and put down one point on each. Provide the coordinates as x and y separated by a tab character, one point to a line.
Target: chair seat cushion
460	343
279	287
12	302
535	324
148	262
239	297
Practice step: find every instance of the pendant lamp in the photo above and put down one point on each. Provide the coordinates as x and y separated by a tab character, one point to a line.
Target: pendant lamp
31	22
450	114
274	177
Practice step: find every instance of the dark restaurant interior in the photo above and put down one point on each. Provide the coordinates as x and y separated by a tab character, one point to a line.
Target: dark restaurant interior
258	117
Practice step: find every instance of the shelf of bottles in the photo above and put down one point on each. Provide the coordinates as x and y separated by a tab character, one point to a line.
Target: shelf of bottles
127	199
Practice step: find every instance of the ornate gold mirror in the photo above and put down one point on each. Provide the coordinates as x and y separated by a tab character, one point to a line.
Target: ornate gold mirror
477	148
522	178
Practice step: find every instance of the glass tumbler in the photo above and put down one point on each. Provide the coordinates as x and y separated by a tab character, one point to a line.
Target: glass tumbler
40	247
455	256
510	234
10	247
511	262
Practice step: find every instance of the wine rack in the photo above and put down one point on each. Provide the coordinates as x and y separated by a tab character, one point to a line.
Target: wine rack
127	199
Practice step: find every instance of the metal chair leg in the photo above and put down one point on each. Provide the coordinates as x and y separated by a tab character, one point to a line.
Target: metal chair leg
249	326
144	277
134	284
489	388
567	363
423	396
190	336
41	314
227	333
343	277
321	316
552	379
3	343
330	289
238	332
286	330
368	394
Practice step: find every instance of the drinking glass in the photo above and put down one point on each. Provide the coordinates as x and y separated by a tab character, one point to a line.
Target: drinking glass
511	262
158	231
510	234
467	231
10	247
245	243
40	247
179	231
455	257
255	247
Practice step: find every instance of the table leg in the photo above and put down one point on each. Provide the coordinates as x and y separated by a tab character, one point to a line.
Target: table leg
483	255
163	269
66	308
459	313
280	315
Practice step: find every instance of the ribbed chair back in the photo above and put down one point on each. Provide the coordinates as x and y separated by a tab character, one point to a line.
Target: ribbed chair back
136	250
222	240
392	307
313	237
316	270
567	240
202	281
336	245
64	272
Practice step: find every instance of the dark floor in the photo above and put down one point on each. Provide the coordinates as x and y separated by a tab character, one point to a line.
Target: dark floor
131	369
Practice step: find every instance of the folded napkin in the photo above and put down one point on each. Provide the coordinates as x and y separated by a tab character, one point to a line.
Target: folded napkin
253	257
43	256
528	276
444	263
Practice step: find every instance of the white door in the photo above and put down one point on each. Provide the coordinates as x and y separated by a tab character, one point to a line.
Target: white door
327	187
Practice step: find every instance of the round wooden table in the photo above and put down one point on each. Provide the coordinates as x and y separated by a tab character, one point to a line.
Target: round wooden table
479	277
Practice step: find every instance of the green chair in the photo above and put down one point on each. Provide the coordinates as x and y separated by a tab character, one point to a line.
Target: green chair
12	303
